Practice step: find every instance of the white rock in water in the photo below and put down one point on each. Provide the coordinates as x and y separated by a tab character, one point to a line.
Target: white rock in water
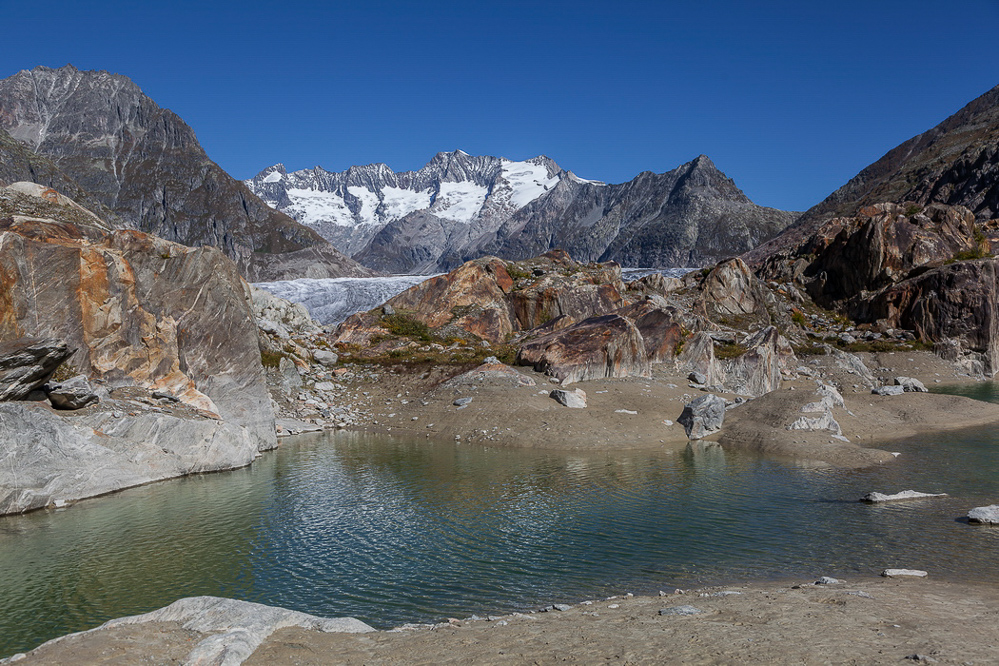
904	495
902	573
985	514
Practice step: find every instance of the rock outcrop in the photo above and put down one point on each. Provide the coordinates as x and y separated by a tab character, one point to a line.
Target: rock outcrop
145	164
26	363
491	299
604	346
751	367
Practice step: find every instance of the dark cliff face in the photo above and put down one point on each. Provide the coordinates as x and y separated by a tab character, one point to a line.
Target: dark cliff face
143	163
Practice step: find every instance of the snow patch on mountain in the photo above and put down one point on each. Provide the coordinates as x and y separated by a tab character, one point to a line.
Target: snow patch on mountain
272	177
399	202
314	206
528	181
459	202
369	204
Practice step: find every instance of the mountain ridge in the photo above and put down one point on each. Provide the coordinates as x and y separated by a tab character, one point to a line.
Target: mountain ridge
459	206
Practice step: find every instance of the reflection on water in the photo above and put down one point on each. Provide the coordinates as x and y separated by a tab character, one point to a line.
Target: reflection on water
394	531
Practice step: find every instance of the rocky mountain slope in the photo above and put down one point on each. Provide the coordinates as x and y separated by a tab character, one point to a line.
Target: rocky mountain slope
145	164
459	207
955	163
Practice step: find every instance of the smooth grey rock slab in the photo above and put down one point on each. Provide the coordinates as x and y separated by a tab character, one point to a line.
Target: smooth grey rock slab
75	393
698	378
985	514
461	402
680	610
875	497
50	459
911	385
25	364
904	573
237	627
575	399
888	390
703	416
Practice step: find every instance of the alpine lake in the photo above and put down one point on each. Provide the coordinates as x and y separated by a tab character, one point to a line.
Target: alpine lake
393	531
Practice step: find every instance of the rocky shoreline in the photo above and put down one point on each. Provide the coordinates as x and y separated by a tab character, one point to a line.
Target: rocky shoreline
825	620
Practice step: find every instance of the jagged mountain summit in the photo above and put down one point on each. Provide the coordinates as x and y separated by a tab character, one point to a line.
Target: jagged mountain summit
461	206
144	163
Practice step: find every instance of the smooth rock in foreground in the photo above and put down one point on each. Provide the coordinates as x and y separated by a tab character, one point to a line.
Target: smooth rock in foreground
904	495
703	416
237	627
985	514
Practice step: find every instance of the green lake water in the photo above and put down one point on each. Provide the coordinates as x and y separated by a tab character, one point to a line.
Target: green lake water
395	531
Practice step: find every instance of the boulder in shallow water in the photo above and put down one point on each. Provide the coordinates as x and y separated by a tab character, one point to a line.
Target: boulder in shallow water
703	416
985	514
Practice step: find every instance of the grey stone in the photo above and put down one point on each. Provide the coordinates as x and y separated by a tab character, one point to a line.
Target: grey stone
75	393
911	385
327	358
888	390
680	610
291	379
985	514
828	580
49	457
25	364
703	416
388	309
461	402
698	378
575	399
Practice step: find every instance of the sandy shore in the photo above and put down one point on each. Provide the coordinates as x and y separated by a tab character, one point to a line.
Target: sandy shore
873	621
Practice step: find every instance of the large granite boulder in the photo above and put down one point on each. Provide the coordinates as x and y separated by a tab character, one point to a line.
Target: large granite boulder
26	363
598	347
732	295
751	367
141	311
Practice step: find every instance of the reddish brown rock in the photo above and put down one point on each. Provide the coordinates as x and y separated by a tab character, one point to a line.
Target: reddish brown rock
732	295
661	331
605	346
139	310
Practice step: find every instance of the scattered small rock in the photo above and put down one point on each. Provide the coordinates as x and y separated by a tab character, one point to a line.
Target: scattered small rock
461	402
680	610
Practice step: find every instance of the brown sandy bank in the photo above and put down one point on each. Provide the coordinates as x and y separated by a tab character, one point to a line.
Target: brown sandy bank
873	621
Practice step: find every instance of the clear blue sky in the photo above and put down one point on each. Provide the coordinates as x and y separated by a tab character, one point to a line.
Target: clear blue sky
790	99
